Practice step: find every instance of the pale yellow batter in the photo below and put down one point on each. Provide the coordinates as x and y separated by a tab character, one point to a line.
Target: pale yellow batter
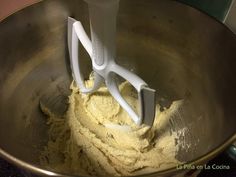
80	143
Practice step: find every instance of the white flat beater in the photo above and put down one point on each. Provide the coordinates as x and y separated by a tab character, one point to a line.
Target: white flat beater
102	14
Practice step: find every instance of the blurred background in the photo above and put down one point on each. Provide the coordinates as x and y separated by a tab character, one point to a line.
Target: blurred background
223	10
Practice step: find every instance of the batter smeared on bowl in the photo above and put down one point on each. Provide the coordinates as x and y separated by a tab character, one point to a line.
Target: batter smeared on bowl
80	143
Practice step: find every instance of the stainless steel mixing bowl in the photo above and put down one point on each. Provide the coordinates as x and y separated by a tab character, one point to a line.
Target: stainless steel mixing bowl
179	51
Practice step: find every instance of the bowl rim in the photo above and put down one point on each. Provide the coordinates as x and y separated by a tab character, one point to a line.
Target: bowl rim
198	161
